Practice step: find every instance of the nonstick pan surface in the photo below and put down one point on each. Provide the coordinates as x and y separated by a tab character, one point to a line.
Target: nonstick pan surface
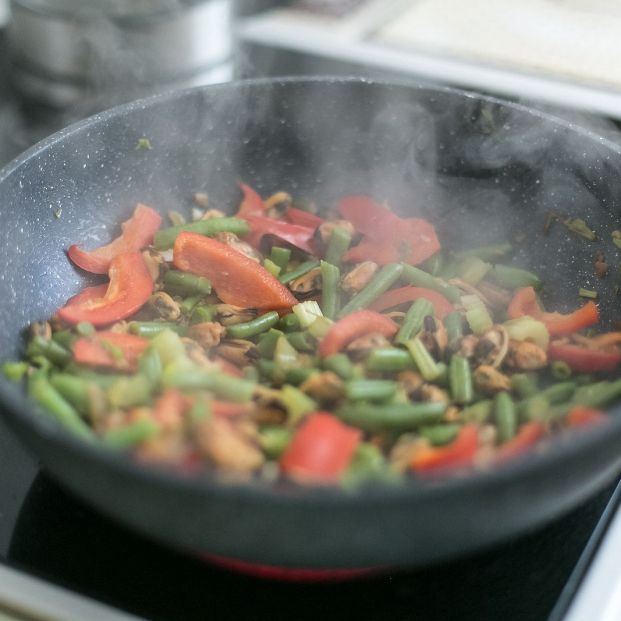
483	170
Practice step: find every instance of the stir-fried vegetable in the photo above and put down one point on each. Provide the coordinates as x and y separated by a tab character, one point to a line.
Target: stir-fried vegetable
326	350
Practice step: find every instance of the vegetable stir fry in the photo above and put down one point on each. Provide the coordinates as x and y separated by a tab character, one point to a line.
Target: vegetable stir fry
337	350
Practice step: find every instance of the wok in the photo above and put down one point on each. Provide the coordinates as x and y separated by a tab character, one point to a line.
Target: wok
482	169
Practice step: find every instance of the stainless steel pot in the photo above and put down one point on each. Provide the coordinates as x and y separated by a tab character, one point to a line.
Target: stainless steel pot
65	50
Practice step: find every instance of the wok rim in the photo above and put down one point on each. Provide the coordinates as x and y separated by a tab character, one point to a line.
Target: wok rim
24	414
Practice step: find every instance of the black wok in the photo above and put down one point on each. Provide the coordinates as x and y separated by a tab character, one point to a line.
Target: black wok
482	169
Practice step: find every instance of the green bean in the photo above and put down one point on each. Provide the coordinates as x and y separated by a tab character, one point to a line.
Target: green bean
184	283
297	403
552	395
271	267
232	388
369	464
454	324
75	390
536	408
280	256
299	375
514	277
524	384
337	245
424	361
505	416
394	416
413	320
15	371
254	327
417	277
127	392
370	390
300	270
460	380
200	409
149	329
202	313
487	253
131	435
389	359
267	343
289	323
302	341
150	365
339	364
187	304
478	412
330	275
439	435
165	238
65	338
560	370
598	395
558	393
382	281
433	265
52	402
267	368
274	440
442	379
51	350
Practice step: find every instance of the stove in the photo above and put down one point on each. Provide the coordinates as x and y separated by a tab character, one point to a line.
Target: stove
47	533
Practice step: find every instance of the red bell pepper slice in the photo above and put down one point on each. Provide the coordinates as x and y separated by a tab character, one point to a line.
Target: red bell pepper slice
524	302
237	279
351	327
169	409
368	217
227	409
321	449
395	297
459	454
527	436
303	218
252	204
582	359
581	416
299	236
387	237
227	367
97	350
130	287
88	294
137	232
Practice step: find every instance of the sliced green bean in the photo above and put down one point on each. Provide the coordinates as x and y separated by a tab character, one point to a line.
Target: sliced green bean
52	402
187	304
389	359
131	435
150	329
225	386
74	389
370	390
454	324
487	253
299	375
513	277
505	416
439	435
330	275
460	380
202	313
413	320
289	323
281	257
538	406
271	267
381	282
252	328
267	343
302	341
423	360
300	270
524	384
560	370
165	238
598	395
184	283
339	364
84	328
65	338
15	371
337	246
127	392
478	412
51	350
395	416
417	277
150	365
274	440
